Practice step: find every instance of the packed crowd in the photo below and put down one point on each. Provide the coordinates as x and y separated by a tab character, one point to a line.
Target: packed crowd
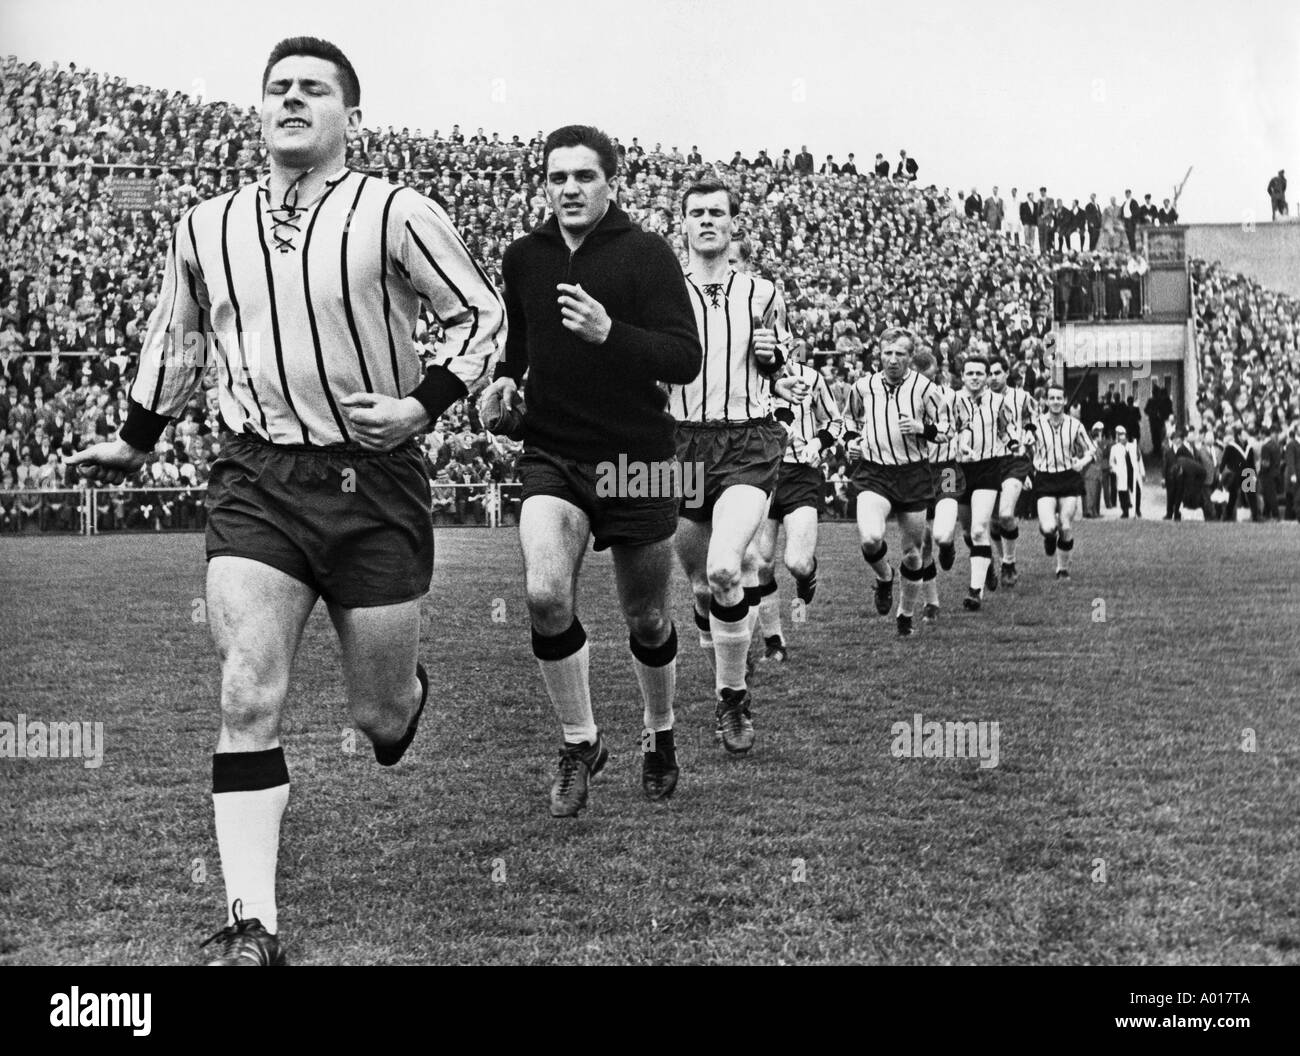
855	253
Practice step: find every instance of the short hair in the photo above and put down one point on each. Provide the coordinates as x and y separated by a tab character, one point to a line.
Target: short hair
899	333
922	361
583	136
319	49
1058	388
975	357
712	187
999	360
743	248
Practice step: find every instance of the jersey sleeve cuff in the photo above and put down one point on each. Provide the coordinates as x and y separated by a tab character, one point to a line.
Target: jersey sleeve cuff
142	427
503	370
827	440
438	391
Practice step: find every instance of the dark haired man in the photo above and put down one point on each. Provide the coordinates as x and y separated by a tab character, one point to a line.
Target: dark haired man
320	490
599	318
1062	453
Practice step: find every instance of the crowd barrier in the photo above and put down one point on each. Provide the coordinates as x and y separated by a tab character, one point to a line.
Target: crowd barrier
108	511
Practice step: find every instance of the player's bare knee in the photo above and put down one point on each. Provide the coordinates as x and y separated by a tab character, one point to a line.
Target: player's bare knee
724	578
250	700
551	607
912	557
649	625
799	565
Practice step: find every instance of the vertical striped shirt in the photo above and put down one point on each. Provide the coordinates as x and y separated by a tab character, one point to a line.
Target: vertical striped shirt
306	310
730	387
1060	444
816	417
945	448
984	423
875	410
1024	408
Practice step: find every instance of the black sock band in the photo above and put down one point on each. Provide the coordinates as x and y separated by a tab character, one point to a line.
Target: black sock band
559	646
929	572
764	589
872	558
655	655
249	771
912	575
1011	533
1066	544
982	551
753	595
701	620
729	613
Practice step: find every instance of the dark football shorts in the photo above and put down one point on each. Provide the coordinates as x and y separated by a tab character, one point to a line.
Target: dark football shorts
617	519
1068	484
354	525
726	454
984	475
947	481
797	486
907	487
1016	466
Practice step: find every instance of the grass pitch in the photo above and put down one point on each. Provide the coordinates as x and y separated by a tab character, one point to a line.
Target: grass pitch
1127	821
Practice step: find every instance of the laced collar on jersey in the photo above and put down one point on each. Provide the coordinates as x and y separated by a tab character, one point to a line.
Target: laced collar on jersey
285	217
715	291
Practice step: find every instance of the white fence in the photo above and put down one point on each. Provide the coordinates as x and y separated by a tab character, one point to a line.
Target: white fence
103	511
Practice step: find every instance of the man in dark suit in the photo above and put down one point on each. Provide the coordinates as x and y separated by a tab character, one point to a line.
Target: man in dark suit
1272	479
1173	481
1167	214
882	167
1092	219
829	168
1291	473
1129	213
1046	221
803	162
1029	218
1071	220
974	205
696	158
907	167
848	168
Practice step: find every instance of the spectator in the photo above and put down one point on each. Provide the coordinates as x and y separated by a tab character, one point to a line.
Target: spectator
1277	194
803	162
1126	465
1092	219
993	211
907	167
881	167
1130	214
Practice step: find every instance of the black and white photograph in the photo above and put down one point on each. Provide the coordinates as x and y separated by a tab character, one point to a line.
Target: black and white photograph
689	483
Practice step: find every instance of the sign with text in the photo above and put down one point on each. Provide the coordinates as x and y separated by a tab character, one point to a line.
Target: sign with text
132	194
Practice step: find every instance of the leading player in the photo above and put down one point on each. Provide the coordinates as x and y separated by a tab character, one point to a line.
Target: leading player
726	432
1063	451
598	318
897	413
320	490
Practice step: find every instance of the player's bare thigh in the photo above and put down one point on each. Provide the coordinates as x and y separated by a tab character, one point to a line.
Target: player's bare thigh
1069	512
380	644
1009	498
553	535
762	548
737	515
644	577
982	503
800	540
873	511
1047	512
256	614
911	525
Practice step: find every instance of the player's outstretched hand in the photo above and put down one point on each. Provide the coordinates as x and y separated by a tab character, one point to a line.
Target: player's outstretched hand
108	463
792	390
583	314
381	423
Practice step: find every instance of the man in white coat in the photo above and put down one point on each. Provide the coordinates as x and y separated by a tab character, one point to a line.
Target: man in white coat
1126	464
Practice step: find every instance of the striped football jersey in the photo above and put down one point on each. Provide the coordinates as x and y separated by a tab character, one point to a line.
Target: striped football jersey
875	409
730	387
983	422
308	305
816	417
1060	444
945	448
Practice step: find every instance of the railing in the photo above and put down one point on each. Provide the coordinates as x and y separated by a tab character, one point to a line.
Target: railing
111	511
1099	294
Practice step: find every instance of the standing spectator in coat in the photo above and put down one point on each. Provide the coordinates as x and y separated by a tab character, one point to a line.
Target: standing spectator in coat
907	168
1277	194
1126	464
1046	221
1095	471
1232	466
1029	210
1173	481
1015	230
1291	473
1272	481
974	205
1129	213
1092	219
803	162
881	167
993	211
